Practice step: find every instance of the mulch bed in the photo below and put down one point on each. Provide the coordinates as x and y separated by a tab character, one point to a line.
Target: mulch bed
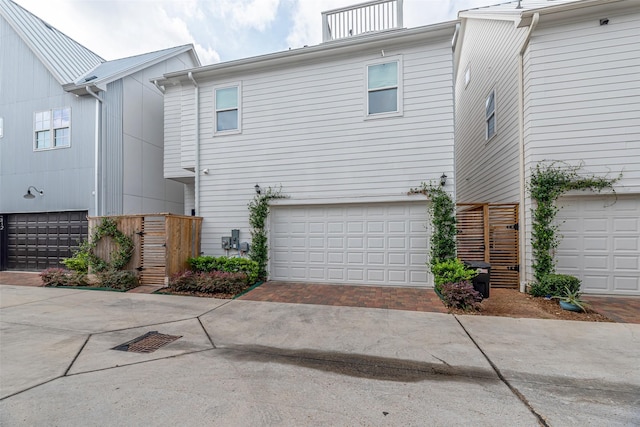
512	303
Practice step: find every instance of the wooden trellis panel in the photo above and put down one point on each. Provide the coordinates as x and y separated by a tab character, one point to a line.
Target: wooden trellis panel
162	244
489	233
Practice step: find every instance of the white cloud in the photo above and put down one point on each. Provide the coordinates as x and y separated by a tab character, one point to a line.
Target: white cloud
256	14
116	29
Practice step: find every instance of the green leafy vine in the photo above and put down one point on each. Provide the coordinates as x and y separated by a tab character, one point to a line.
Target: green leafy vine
442	213
258	213
120	255
547	183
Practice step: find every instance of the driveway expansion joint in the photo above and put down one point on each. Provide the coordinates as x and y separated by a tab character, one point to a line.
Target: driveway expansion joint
513	389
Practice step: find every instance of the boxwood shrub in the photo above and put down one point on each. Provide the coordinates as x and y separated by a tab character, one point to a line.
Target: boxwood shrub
555	285
211	282
205	264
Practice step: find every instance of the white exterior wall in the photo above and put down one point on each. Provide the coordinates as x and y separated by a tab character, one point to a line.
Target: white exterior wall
304	128
582	101
582	104
144	188
487	171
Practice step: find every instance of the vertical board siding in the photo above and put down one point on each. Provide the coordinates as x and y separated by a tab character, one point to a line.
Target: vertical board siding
304	128
487	171
583	96
65	174
112	148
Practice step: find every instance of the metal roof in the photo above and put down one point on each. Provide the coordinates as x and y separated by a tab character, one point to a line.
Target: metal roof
113	70
65	58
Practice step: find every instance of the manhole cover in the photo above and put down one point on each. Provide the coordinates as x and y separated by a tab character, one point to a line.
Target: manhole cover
147	343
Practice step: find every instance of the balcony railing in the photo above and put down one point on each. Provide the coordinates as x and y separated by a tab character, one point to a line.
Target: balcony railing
372	16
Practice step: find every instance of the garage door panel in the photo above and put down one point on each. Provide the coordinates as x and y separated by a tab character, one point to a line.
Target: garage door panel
601	243
627	262
355	258
374	275
626	224
361	244
625	243
626	283
375	227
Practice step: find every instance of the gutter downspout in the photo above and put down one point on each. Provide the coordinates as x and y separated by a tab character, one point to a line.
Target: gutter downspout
197	159
521	210
96	179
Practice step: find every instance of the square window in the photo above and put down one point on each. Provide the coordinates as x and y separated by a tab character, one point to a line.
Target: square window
384	88
52	128
227	109
490	115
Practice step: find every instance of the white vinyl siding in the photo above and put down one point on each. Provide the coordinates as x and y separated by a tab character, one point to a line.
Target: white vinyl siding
583	96
487	171
303	129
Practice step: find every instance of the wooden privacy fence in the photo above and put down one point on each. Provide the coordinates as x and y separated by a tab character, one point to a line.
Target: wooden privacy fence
162	244
489	232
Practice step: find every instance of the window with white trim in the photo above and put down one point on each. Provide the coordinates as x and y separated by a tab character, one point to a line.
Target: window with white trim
490	115
52	128
1	127
227	109
384	88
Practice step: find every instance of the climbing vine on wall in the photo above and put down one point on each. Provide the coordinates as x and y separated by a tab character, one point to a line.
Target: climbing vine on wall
442	213
547	183
258	213
120	255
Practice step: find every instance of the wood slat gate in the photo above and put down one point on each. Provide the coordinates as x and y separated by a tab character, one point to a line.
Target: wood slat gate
489	233
162	244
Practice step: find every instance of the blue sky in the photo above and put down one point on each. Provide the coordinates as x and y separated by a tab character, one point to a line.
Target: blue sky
221	30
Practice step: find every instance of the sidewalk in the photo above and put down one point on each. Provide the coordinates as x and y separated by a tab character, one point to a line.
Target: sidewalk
244	362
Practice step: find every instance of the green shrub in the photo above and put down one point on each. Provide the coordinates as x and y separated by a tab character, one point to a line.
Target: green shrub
205	264
461	295
212	282
451	271
80	260
118	279
555	285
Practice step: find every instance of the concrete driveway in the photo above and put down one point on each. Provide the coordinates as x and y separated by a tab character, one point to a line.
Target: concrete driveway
250	363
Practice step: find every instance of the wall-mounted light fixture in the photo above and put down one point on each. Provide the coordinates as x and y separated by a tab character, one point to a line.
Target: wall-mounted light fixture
30	195
443	180
258	189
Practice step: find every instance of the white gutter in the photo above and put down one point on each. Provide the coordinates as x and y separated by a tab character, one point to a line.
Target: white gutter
197	159
96	160
522	212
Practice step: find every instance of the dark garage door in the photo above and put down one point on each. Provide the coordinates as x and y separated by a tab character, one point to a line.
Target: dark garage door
35	241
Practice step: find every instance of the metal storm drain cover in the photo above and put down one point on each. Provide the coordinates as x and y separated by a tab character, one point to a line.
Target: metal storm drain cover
147	343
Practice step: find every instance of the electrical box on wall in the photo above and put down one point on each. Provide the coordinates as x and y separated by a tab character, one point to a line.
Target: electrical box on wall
226	242
244	247
235	239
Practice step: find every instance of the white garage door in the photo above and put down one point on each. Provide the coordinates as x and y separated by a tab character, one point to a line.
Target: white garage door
372	244
601	243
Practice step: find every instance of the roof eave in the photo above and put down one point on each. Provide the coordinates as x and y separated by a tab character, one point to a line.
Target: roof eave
79	87
444	29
